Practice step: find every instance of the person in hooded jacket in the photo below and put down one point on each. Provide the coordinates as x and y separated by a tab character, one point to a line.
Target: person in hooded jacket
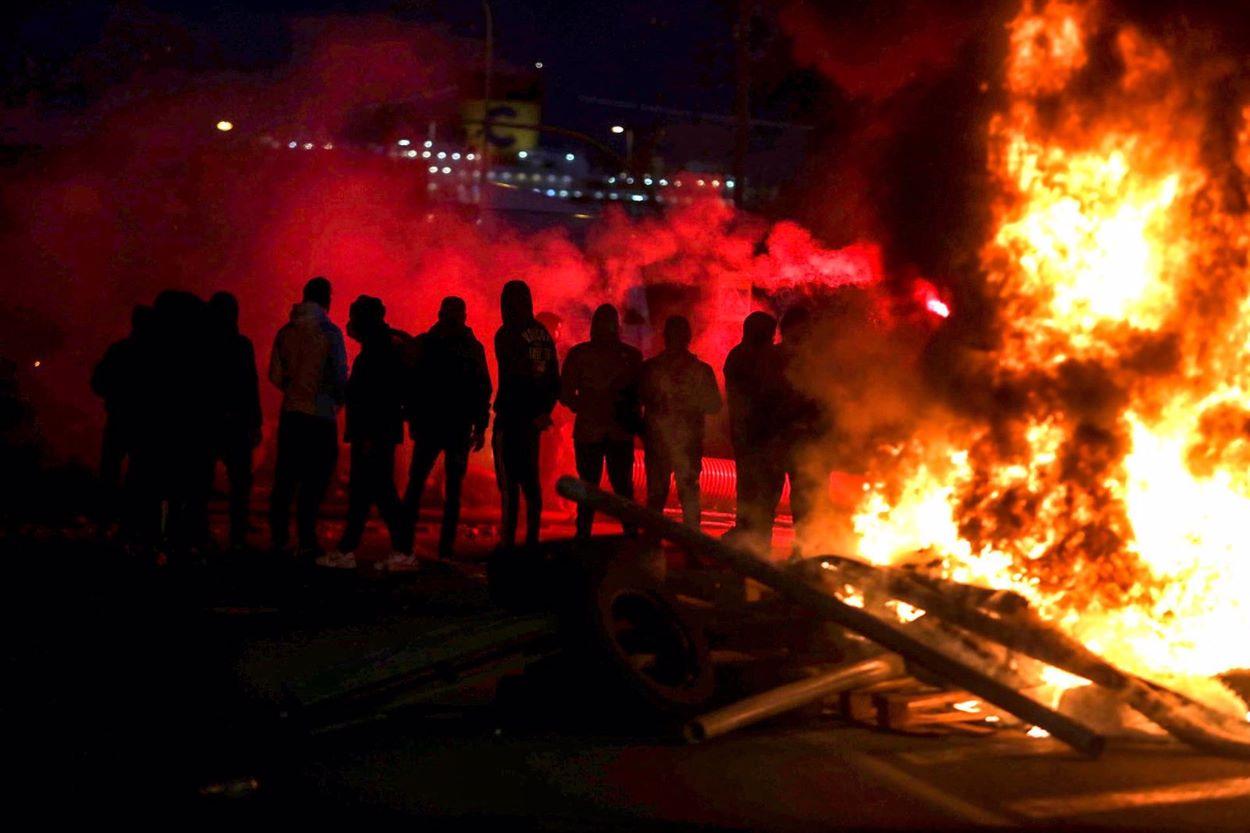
448	411
752	389
552	455
375	425
237	426
175	442
678	393
117	379
309	365
799	420
529	384
600	386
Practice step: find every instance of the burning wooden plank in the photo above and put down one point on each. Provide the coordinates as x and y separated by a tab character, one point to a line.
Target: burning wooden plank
1009	622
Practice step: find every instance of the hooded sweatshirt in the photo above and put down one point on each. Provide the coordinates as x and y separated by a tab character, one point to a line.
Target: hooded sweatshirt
309	362
600	383
375	407
753	383
451	396
237	384
529	371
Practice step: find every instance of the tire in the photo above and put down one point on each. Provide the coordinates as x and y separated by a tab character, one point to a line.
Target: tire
641	644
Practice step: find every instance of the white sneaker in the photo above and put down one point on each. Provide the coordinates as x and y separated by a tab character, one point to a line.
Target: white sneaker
338	560
401	562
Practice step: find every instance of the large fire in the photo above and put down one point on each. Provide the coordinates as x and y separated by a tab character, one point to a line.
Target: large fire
1107	478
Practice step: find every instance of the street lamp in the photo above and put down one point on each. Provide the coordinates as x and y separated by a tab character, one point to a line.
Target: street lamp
629	141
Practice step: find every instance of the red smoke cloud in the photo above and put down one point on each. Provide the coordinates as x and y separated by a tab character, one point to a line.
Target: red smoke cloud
885	47
154	197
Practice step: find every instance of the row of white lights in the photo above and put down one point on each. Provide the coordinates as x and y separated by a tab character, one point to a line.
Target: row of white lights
455	156
564	193
524	154
506	176
629	180
309	145
613	195
404	143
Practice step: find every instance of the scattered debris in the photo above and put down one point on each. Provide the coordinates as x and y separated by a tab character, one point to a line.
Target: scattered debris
792	696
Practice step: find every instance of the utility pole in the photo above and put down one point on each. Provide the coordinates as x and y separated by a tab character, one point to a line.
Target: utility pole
483	157
742	98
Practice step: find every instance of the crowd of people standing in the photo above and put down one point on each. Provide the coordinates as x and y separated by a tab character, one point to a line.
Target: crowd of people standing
181	394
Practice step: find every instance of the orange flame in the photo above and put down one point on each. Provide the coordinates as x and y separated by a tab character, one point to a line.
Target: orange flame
1111	482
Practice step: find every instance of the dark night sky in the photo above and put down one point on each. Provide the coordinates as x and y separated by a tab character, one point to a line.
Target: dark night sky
649	51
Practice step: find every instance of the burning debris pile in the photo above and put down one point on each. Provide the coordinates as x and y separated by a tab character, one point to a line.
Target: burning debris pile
1101	470
593	630
985	643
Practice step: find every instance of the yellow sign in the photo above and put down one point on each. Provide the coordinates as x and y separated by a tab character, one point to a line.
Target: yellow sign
503	140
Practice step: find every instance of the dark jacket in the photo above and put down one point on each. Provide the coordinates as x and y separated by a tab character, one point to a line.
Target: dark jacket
529	371
375	400
600	385
116	378
678	392
179	398
450	395
753	386
239	386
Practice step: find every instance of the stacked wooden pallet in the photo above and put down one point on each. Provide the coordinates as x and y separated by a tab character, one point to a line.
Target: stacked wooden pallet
908	705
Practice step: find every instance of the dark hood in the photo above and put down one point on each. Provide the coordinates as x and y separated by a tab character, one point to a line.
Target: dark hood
605	326
516	304
448	330
759	329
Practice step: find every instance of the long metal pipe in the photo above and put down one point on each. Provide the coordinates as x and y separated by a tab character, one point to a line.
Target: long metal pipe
791	696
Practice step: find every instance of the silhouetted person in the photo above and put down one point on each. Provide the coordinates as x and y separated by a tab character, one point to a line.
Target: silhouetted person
448	411
375	425
529	382
180	405
309	365
752	386
678	393
600	386
551	458
236	429
117	379
20	454
799	421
